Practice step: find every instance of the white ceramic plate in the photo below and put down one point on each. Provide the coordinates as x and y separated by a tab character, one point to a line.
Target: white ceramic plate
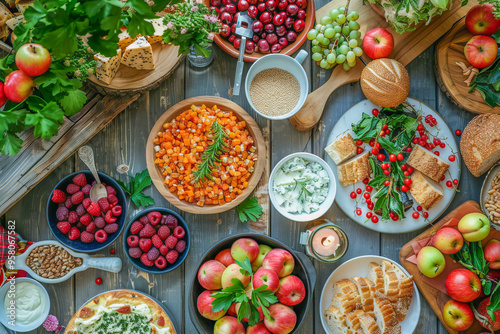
359	267
408	224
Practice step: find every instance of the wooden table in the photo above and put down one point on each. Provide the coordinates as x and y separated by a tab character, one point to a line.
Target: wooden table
123	142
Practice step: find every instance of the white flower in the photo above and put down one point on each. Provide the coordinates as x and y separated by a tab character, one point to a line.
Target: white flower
211	36
183	31
170	25
194	8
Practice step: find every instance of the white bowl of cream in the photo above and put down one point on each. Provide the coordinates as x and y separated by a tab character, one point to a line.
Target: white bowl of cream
24	304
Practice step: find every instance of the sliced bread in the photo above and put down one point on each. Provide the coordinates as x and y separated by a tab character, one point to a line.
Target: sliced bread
344	303
335	320
376	275
425	191
402	305
342	149
354	170
385	316
352	320
428	163
366	289
368	324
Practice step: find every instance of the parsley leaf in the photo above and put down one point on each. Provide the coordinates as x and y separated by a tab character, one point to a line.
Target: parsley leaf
10	144
73	102
45	119
249	209
134	188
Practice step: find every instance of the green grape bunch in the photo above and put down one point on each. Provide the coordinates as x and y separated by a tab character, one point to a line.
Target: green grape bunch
336	39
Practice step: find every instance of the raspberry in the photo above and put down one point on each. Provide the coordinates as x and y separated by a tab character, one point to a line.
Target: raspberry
73	217
103	204
171	242
154	217
163	232
133	241
146	261
116	210
58	196
111	190
111	228
160	263
80	210
85	219
62	213
171	222
86	203
80	180
157	242
163	250
86	189
148	231
109	218
136	227
94	209
135	252
68	203
74	233
179	232
72	188
172	256
90	227
64	227
99	222
145	244
181	246
87	237
153	253
144	220
113	200
101	236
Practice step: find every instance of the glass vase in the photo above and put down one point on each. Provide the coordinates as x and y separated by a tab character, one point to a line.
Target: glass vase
200	61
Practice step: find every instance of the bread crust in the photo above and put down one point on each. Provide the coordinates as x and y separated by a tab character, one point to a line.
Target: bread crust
428	163
342	149
354	170
425	191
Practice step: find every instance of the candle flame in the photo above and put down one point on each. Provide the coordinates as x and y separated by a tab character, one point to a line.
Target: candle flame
327	241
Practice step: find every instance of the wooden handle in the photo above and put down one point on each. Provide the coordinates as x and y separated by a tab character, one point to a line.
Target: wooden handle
310	113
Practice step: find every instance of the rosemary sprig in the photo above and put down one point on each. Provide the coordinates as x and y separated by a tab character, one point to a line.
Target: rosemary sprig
303	189
211	155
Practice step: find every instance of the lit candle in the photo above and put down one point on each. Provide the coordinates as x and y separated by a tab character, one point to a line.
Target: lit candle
325	242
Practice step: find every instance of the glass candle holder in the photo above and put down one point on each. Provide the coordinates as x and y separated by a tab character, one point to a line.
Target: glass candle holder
325	242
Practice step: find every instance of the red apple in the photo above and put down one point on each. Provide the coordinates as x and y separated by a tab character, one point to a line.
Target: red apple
267	277
228	325
18	86
261	314
378	43
232	310
492	253
448	240
210	275
457	316
463	285
204	305
282	319
33	59
224	257
233	271
280	261
259	328
3	98
481	21
481	51
291	291
481	309
243	248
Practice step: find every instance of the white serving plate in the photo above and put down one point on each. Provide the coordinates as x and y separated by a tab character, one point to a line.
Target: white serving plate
359	267
408	224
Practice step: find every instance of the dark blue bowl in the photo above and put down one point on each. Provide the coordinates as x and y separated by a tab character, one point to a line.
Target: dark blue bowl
78	245
154	270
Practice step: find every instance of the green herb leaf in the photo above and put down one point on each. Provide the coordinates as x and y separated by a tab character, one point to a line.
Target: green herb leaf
73	102
46	120
10	144
246	267
249	209
135	187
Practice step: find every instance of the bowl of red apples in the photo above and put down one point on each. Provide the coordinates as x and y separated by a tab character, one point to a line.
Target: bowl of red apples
251	283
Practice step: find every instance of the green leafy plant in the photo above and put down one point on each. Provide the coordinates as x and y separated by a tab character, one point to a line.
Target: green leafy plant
236	294
135	187
249	209
192	24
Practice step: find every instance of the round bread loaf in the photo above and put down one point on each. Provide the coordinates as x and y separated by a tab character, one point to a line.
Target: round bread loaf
385	82
480	143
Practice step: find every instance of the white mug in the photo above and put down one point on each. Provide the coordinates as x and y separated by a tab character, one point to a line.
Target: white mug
284	62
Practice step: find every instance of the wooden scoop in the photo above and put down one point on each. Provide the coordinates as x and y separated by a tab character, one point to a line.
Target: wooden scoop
98	190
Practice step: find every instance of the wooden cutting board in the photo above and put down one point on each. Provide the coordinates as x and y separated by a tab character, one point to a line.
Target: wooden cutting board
407	46
449	75
434	297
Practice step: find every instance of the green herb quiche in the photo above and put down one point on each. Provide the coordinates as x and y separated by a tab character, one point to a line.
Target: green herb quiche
120	312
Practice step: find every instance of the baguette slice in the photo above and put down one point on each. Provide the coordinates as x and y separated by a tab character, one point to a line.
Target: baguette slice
344	303
368	324
352	320
376	275
342	149
428	163
425	191
354	170
385	316
403	303
366	289
335	320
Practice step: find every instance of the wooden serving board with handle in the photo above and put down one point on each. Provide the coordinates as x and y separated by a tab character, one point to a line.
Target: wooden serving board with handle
407	46
434	297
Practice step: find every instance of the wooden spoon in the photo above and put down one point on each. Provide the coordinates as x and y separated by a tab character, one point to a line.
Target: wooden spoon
98	190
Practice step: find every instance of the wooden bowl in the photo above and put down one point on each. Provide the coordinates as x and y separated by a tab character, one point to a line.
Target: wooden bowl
223	104
228	47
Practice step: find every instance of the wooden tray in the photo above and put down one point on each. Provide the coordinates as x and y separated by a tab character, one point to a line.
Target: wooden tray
223	104
129	81
434	297
407	46
449	75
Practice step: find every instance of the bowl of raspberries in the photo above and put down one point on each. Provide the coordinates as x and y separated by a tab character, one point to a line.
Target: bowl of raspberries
156	240
81	224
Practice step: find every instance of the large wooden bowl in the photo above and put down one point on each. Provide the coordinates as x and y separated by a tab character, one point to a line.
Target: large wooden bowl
223	104
228	47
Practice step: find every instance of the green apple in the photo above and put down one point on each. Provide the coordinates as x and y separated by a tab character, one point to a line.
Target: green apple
263	250
474	226
430	261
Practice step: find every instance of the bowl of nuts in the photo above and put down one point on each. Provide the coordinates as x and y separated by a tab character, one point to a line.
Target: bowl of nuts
51	262
490	196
